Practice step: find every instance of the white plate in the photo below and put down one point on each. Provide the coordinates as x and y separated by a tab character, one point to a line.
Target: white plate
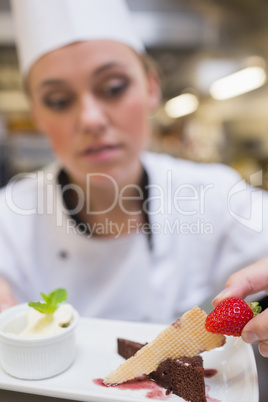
236	379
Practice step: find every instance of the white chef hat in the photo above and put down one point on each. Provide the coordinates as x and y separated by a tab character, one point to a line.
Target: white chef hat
45	25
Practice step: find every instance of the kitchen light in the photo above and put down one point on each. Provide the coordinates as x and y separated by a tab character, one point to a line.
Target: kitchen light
181	105
238	83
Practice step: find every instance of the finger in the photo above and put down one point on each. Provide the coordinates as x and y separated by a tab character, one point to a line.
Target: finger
230	291
245	282
263	348
6	297
256	330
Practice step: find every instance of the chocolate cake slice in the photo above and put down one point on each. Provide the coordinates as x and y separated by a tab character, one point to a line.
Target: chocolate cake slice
183	376
187	336
126	348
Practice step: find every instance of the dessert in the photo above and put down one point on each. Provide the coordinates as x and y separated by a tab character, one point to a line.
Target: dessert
186	337
127	348
183	376
39	324
37	340
48	317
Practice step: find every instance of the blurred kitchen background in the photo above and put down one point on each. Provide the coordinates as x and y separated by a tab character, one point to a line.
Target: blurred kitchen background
195	43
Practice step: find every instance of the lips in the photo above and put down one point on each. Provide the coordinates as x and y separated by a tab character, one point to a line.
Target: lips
102	153
97	149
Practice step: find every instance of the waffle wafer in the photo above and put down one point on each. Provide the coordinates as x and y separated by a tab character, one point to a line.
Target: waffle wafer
186	337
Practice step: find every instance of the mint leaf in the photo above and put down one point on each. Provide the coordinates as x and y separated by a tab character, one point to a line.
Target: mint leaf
52	300
57	296
44	297
43	307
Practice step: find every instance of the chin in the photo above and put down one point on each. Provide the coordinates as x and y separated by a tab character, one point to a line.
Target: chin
106	178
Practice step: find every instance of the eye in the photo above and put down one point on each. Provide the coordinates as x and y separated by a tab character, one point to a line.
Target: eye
59	103
115	87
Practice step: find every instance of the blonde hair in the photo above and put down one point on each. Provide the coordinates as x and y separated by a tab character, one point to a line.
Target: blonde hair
150	65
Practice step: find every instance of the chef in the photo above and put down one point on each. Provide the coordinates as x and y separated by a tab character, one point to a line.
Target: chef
130	234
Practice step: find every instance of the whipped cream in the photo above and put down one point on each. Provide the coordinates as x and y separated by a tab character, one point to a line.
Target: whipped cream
39	324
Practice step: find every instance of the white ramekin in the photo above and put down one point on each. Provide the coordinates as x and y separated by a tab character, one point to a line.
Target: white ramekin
34	358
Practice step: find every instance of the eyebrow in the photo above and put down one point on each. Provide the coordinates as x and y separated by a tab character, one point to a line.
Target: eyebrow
51	82
100	70
107	66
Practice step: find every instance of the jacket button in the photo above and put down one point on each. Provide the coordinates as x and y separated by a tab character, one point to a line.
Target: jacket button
63	254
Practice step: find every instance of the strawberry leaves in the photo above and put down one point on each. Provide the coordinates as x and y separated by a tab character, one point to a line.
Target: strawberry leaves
51	301
256	309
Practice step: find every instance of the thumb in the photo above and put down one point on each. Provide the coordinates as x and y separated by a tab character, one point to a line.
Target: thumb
230	291
245	282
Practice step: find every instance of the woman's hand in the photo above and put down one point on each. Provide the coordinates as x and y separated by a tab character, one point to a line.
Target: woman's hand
6	297
245	282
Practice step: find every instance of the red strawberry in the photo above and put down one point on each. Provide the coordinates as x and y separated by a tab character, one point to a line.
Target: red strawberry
230	316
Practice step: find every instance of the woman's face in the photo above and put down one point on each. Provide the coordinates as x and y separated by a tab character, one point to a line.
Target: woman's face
93	99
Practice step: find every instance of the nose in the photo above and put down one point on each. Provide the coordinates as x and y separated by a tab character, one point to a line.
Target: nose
92	116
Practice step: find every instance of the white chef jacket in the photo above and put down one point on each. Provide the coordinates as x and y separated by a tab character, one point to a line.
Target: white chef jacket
205	224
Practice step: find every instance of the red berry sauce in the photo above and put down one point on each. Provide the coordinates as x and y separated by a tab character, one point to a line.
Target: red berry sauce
155	391
208	398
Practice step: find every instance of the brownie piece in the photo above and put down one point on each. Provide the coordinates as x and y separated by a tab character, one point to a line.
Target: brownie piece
183	376
126	348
